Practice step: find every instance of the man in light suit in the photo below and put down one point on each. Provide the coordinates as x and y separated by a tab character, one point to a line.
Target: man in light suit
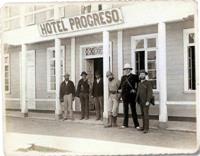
67	93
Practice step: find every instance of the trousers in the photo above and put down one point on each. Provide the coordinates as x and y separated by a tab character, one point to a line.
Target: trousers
133	113
84	98
145	116
67	106
99	106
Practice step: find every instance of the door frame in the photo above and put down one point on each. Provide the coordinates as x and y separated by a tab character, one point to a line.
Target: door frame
95	56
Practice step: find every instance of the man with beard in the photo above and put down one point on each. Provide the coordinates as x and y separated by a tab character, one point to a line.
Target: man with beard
83	94
144	95
67	93
128	92
113	101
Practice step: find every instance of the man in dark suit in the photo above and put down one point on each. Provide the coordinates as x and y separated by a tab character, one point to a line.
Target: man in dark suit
83	94
67	93
127	88
143	98
97	93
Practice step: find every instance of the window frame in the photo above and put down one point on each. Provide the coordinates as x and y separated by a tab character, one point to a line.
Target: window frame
146	50
49	90
7	64
186	44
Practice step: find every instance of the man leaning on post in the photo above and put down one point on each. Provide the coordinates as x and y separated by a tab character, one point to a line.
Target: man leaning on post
67	93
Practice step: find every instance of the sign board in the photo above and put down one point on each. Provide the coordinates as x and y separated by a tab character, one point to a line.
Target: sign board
82	22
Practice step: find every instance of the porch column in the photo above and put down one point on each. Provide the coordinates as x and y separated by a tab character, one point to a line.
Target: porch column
197	66
119	54
73	64
23	104
163	117
105	69
58	78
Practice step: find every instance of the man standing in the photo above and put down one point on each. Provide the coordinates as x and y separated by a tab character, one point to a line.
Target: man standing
67	92
113	101
128	92
144	95
83	94
97	93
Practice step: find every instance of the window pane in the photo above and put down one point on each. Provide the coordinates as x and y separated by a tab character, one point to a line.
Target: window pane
14	11
191	38
6	60
52	63
6	81
6	74
6	88
153	82
14	23
152	74
140	62
29	19
6	68
151	55
53	71
53	86
49	14
152	65
53	79
151	42
191	68
139	44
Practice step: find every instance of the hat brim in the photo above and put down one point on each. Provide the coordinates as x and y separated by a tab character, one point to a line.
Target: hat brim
84	74
128	68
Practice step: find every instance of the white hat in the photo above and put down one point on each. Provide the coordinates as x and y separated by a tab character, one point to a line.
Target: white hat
127	66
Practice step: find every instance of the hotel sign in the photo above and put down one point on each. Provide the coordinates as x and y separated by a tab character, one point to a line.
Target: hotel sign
82	22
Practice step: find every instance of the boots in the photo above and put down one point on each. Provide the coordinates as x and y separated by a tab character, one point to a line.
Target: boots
114	121
109	122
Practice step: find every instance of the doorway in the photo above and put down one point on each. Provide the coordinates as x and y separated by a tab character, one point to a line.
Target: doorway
98	66
93	66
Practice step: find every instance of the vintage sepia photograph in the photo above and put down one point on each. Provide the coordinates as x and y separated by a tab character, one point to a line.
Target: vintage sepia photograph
100	77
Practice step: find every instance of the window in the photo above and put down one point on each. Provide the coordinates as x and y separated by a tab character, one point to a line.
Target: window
189	60
11	18
145	49
86	9
38	14
7	73
51	68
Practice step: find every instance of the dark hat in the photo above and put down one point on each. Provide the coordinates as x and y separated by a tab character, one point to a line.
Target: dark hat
143	71
83	73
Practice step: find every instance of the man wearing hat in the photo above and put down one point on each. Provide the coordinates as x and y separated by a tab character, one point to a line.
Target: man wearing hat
113	101
83	94
143	98
67	93
97	93
127	87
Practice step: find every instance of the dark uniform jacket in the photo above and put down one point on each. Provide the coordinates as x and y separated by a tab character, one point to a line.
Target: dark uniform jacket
97	89
83	87
66	89
144	92
126	88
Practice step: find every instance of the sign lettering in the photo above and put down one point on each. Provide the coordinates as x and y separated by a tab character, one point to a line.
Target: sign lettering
82	22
